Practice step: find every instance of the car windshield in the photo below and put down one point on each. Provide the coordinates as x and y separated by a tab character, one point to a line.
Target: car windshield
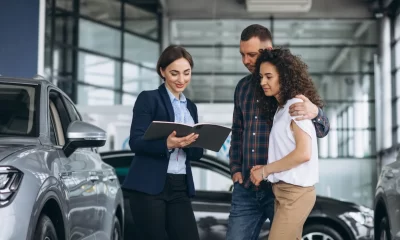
18	110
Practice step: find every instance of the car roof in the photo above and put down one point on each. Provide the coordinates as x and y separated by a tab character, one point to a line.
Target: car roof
215	162
24	80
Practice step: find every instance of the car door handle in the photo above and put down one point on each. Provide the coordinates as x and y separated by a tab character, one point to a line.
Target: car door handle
112	178
65	175
93	178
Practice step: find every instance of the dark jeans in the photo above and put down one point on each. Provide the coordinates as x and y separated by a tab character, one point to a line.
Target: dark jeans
249	210
170	211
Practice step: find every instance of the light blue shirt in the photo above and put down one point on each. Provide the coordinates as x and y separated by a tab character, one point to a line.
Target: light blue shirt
177	160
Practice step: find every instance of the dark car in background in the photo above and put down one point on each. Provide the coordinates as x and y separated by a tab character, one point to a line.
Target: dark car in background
387	202
330	219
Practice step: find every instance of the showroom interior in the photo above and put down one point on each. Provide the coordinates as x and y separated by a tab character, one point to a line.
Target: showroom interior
103	53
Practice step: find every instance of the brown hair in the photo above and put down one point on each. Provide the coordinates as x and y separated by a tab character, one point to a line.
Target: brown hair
294	79
256	30
171	54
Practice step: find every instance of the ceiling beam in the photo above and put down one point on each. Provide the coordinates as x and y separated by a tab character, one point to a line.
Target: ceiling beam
341	56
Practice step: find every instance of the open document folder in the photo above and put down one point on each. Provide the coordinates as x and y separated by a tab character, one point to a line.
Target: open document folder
211	136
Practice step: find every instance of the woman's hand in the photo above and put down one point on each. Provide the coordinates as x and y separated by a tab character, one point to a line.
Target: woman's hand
180	142
256	174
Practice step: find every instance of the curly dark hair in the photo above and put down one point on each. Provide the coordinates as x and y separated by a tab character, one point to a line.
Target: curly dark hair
294	79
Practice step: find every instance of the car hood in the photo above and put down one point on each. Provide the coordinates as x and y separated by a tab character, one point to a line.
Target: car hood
326	202
9	146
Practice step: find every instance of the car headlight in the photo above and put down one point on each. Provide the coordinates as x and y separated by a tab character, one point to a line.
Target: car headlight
365	216
10	179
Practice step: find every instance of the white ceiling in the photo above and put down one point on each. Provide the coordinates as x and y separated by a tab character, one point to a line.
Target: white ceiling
233	9
214	45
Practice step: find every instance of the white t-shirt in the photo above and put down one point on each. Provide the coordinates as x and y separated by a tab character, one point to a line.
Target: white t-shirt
282	142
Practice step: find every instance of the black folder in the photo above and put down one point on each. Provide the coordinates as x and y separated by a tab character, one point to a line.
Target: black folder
211	136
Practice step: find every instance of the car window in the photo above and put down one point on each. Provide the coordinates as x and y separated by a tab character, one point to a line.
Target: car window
121	165
60	115
73	113
208	180
18	108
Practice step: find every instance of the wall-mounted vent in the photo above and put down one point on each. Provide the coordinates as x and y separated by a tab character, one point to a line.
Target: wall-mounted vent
278	6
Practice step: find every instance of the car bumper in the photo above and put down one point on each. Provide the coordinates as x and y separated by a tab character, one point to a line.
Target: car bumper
362	232
14	222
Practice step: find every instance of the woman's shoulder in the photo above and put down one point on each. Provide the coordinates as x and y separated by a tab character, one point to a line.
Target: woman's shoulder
292	101
147	94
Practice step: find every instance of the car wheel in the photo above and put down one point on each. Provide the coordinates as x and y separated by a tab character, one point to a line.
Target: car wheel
45	229
384	230
117	232
318	231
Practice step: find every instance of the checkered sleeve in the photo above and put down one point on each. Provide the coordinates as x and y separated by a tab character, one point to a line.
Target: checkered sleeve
235	151
321	123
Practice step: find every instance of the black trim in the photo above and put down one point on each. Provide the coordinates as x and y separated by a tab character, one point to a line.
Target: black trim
394	71
394	42
75	42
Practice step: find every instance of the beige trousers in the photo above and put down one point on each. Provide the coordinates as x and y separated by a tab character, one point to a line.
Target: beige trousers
293	204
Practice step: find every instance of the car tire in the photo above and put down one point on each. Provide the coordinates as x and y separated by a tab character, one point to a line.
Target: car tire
318	231
117	230
383	231
45	229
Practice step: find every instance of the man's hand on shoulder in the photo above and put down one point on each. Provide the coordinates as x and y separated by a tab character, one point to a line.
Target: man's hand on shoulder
303	110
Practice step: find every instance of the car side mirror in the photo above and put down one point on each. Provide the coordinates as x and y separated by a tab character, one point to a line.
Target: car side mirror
83	135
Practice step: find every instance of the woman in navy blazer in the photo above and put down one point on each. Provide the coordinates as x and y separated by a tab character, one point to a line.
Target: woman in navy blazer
160	178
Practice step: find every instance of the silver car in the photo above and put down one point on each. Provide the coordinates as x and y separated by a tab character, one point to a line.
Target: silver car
53	183
387	202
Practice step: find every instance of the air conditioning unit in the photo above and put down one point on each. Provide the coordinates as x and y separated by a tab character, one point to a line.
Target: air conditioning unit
278	6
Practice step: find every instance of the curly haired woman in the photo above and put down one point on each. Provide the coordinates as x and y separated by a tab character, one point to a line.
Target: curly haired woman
293	151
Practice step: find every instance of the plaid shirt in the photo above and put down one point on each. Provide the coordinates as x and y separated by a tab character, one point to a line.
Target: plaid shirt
250	131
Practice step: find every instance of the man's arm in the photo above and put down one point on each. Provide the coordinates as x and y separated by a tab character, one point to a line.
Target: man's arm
235	151
308	110
321	123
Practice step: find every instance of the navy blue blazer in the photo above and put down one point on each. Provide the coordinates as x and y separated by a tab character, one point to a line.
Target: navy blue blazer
148	170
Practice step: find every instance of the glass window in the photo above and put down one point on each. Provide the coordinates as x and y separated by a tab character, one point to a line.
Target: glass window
98	71
64	23
323	32
357	175
141	21
137	79
141	51
63	69
128	99
208	180
71	110
99	38
91	96
210	32
107	11
18	108
66	5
